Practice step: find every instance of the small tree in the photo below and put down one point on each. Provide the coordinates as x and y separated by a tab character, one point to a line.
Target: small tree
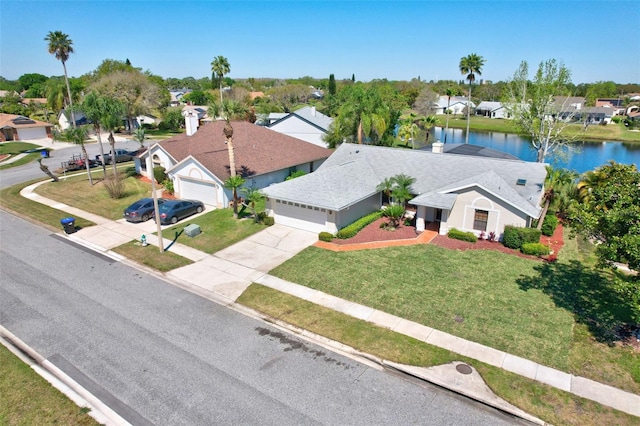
234	183
252	196
394	213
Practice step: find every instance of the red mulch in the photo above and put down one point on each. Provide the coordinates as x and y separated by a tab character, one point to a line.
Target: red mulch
165	194
373	232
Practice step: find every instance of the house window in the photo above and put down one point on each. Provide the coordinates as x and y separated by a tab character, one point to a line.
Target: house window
480	220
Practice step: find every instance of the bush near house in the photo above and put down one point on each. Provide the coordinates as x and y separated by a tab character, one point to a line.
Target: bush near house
549	224
159	173
351	230
325	236
461	235
535	249
514	237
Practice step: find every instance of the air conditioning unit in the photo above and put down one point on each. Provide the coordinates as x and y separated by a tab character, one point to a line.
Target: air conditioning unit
192	230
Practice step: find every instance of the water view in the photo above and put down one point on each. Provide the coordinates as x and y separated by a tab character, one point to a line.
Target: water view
583	157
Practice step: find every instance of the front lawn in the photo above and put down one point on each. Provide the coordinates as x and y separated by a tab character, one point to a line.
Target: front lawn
552	314
11	149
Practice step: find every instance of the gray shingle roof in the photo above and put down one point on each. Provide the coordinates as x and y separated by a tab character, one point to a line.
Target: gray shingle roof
353	172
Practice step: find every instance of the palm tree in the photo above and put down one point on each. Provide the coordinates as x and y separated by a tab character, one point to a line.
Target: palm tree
470	66
220	67
449	92
557	179
234	182
427	122
253	195
60	45
402	188
386	186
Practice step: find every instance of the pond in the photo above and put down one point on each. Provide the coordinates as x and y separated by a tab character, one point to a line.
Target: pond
582	157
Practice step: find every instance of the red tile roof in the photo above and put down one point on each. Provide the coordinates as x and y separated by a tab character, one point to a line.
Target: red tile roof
257	150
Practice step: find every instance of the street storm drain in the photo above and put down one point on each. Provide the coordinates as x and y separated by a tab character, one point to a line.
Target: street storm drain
463	369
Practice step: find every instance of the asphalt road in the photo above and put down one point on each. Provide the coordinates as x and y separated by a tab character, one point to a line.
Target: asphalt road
160	355
14	175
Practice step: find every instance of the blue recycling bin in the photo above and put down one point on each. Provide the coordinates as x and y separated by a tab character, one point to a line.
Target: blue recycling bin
68	224
44	153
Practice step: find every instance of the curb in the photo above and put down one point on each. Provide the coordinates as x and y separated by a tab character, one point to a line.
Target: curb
60	380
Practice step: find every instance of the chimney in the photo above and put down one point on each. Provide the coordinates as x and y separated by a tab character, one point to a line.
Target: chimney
191	122
437	147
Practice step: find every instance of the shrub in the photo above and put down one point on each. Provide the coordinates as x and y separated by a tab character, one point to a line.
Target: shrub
394	213
295	174
535	249
514	237
168	186
159	174
114	186
461	235
269	220
549	225
491	236
351	230
325	236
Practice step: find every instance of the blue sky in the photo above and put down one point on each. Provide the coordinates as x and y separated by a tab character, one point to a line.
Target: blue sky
596	40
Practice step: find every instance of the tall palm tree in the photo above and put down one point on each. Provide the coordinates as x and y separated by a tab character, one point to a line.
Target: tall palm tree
233	183
470	66
61	46
449	92
220	67
556	180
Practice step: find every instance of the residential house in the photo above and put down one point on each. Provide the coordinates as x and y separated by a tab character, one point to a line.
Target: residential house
616	104
176	96
456	105
198	163
469	193
21	128
148	119
64	119
491	109
306	123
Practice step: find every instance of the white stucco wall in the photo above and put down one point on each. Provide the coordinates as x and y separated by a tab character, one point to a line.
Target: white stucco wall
500	214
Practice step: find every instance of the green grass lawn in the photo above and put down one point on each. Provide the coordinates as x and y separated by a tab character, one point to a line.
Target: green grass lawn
555	314
15	148
548	403
28	399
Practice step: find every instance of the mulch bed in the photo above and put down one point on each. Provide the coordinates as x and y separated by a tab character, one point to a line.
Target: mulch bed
373	232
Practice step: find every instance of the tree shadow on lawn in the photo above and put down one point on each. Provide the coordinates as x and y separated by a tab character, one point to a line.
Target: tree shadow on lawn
588	293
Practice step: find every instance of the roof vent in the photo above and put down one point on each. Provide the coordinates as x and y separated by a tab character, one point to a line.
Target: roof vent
521	182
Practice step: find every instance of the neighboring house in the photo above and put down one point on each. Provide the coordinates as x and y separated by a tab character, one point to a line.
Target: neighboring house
491	109
305	123
615	103
198	164
456	105
64	119
4	93
21	128
199	110
35	101
176	96
149	119
470	193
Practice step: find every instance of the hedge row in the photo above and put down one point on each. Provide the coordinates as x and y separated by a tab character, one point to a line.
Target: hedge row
351	230
325	236
514	237
461	235
535	249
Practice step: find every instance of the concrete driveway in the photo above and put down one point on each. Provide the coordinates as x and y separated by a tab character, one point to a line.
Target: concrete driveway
227	273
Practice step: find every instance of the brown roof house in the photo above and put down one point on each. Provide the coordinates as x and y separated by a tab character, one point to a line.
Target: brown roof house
198	163
21	128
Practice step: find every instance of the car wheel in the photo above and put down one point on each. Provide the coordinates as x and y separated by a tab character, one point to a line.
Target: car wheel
199	209
145	217
174	219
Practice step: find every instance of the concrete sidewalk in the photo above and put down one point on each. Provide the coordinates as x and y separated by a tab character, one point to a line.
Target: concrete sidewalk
225	275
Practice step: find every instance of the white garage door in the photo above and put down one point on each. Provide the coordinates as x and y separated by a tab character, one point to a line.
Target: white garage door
32	133
199	190
300	216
